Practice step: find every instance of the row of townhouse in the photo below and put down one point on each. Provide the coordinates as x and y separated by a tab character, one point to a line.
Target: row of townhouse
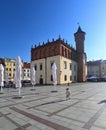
68	68
96	68
72	65
9	68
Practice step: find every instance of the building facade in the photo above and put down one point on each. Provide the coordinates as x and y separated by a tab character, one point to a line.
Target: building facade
96	68
71	63
9	68
26	71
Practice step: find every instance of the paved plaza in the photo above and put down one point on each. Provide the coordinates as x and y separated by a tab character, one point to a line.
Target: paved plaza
43	109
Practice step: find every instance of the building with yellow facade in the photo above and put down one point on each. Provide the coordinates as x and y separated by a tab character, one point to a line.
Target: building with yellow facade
71	63
10	68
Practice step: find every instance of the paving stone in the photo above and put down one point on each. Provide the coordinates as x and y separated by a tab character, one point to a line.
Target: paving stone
6	124
96	128
44	110
33	128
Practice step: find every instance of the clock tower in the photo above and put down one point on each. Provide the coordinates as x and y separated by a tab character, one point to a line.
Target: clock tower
81	55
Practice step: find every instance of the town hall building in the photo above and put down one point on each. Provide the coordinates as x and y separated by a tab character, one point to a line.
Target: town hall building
70	62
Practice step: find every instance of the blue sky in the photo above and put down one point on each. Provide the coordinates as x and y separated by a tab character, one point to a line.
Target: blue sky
24	23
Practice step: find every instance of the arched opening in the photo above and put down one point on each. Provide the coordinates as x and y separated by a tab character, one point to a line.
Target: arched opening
41	80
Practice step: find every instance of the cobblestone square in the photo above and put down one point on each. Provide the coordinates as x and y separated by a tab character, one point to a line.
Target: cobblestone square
42	109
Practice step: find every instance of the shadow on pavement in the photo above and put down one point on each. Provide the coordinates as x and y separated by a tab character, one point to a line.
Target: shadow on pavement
103	101
52	102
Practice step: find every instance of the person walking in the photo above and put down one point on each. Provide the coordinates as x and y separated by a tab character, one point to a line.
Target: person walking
68	94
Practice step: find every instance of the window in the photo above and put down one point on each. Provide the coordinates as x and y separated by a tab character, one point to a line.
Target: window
69	54
66	54
65	77
51	63
62	51
40	66
74	78
65	65
51	77
70	66
35	67
10	69
70	77
74	67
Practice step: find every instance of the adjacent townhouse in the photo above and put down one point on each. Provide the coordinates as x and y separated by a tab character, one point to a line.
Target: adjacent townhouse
9	69
26	71
96	68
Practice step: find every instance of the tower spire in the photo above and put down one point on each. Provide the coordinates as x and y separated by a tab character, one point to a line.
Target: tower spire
79	30
79	39
81	59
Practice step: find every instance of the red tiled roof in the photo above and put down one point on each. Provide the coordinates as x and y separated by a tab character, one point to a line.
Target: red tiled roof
26	65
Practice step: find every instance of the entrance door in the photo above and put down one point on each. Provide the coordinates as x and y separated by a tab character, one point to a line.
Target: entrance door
41	80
